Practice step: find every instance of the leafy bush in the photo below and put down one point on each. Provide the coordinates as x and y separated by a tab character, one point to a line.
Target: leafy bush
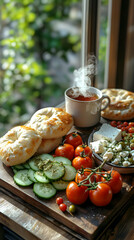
29	41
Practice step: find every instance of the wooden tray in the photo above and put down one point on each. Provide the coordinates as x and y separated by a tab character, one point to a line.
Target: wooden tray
89	221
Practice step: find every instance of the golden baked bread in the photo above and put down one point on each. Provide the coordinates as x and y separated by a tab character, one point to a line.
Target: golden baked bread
121	106
48	145
18	145
51	122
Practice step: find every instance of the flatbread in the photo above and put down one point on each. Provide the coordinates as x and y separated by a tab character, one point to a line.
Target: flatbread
18	145
51	122
48	145
121	106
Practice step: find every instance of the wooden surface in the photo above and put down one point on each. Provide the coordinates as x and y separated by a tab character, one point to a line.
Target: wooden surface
29	223
89	221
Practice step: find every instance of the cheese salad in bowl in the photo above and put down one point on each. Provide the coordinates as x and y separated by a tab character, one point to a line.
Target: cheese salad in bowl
113	146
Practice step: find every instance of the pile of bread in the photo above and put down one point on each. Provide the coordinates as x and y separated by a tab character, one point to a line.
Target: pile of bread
42	134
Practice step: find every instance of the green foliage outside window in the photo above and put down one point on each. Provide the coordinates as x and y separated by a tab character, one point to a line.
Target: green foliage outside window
27	36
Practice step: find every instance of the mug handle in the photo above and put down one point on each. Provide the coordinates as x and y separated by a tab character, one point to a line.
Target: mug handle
108	102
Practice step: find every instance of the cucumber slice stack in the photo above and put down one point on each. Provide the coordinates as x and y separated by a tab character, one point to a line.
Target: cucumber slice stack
47	174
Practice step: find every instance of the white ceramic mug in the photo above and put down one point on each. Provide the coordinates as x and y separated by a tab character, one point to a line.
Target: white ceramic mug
85	113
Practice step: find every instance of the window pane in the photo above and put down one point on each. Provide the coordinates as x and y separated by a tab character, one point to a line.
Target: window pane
103	42
40	44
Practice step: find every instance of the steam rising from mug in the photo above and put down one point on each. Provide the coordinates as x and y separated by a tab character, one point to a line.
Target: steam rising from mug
83	77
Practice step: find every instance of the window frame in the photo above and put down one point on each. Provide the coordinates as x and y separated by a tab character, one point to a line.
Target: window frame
118	14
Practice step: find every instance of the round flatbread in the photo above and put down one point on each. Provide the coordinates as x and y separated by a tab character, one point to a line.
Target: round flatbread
48	145
51	122
121	106
18	145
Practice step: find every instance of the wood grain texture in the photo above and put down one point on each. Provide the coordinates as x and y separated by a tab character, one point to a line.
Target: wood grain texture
27	224
89	221
123	227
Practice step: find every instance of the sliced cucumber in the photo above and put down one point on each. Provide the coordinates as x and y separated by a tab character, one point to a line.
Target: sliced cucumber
21	178
26	165
40	177
14	169
46	156
63	160
33	163
60	184
70	173
31	175
44	190
55	172
36	163
19	167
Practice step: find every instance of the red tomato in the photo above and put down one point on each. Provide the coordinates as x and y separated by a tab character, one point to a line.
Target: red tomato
127	127
113	123
65	150
63	207
80	177
83	150
119	126
97	177
79	162
125	124
123	129
119	123
116	181
131	130
131	124
73	139
102	195
59	200
75	194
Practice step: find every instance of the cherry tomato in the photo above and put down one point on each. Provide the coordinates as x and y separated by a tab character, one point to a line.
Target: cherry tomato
97	177
63	207
102	195
79	162
119	126
131	130
73	139
119	123
82	150
80	177
127	127
75	194
123	129
125	124
113	123
65	150
131	124
116	181
59	200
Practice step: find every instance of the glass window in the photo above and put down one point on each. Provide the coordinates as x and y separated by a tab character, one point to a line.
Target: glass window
40	44
102	42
